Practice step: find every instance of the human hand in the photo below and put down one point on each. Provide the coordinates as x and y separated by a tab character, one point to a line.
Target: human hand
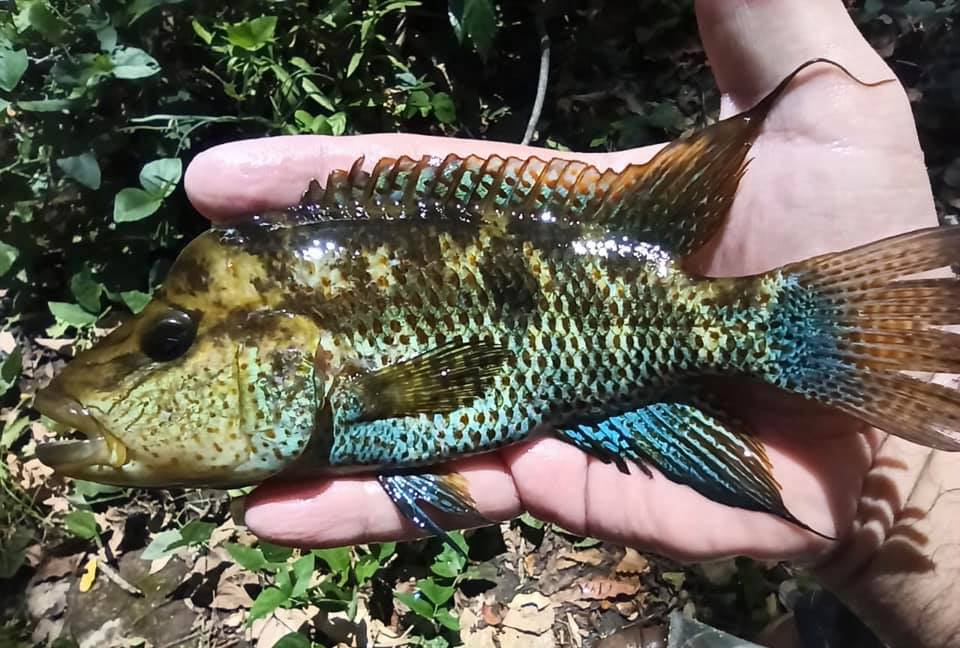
837	165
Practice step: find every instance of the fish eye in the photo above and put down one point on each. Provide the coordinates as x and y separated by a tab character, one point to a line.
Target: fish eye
168	337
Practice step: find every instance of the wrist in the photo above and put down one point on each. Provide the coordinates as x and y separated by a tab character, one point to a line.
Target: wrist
899	568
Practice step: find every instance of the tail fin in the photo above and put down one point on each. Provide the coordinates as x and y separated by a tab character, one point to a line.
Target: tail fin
851	324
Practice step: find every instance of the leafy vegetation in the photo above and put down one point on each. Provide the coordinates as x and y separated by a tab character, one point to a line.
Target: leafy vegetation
102	106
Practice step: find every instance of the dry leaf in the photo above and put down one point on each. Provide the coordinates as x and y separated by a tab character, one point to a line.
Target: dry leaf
511	638
53	343
569	559
57	566
574	631
530	613
380	635
601	588
223	532
283	621
481	639
89	575
492	614
7	342
31	474
48	599
57	504
632	563
571	596
231	593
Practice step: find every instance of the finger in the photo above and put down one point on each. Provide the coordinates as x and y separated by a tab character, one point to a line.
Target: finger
753	44
338	512
653	513
248	176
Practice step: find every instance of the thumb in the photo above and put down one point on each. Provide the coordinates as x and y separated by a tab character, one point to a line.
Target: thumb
753	44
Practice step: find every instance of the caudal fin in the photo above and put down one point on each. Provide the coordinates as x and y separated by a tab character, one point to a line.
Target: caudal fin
852	325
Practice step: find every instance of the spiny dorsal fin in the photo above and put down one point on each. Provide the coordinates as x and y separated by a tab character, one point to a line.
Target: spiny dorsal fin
438	381
677	200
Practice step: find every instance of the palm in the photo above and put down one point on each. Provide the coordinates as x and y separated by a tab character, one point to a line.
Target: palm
837	165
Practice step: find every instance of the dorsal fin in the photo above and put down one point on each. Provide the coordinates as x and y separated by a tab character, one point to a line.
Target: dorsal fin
677	200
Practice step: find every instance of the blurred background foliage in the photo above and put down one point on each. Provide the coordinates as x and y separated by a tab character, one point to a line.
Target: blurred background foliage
104	103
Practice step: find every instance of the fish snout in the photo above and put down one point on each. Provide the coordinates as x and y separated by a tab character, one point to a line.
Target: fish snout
99	448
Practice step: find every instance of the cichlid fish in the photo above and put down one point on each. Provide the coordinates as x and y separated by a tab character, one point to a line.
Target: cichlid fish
437	308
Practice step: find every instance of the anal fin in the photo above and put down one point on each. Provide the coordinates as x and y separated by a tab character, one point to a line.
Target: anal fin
447	493
706	451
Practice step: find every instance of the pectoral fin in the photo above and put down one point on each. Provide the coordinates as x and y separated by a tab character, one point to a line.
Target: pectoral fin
438	381
446	493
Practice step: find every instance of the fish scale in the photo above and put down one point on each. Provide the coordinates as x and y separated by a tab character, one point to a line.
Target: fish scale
439	307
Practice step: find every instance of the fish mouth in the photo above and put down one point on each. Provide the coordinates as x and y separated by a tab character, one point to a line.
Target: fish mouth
68	455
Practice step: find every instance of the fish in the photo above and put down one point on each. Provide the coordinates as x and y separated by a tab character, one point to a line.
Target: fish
435	308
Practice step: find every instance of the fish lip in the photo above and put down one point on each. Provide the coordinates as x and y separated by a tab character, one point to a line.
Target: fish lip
60	407
99	448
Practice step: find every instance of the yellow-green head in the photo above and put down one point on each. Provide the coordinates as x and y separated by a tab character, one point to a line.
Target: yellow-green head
209	385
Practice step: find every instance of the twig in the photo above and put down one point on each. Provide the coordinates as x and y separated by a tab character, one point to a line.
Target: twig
119	580
542	80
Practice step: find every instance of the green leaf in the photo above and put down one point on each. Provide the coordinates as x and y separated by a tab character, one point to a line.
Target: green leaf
13	63
338	560
201	31
10	370
384	550
252	34
135	300
133	204
283	580
160	177
71	314
81	524
665	116
8	255
443	108
48	24
86	290
107	37
302	571
445	569
275	553
337	123
162	545
293	640
197	532
447	620
249	558
91	490
354	62
45	105
438	594
13	551
83	168
267	601
450	563
366	567
416	604
418	101
475	20
133	63
82	71
138	8
12	431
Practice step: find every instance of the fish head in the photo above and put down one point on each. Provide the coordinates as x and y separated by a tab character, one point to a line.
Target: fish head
203	388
